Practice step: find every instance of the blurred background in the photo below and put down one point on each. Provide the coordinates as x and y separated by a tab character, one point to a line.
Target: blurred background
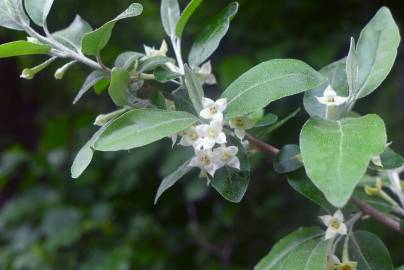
106	220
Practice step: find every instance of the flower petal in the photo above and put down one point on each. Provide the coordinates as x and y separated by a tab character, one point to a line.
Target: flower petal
233	150
330	233
339	215
326	219
234	163
202	130
205	113
222	104
240	133
221	138
342	229
207	102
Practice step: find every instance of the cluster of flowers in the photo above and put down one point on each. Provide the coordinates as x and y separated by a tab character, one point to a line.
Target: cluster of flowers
204	138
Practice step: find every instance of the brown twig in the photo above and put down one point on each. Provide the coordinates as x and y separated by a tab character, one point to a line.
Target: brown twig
377	215
364	207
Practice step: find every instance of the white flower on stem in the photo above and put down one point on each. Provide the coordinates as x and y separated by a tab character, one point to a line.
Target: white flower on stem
209	135
205	161
240	125
151	51
330	98
226	156
335	225
189	137
205	73
213	109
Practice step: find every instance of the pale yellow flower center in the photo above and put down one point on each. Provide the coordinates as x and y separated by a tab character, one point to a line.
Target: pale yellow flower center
335	223
330	99
204	160
213	110
193	135
239	122
226	157
212	133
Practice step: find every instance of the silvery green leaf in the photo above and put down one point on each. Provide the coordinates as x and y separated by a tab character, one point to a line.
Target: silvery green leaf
126	59
38	10
267	82
352	68
267	120
369	251
232	184
185	16
208	39
303	249
141	127
8	21
90	81
299	181
96	40
164	74
22	47
170	14
15	11
85	155
171	179
288	159
118	88
150	63
376	51
337	78
391	160
336	154
194	88
72	35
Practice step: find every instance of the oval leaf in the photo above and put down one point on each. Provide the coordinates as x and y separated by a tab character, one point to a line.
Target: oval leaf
288	159
90	81
141	127
8	21
267	82
376	51
72	35
336	154
118	88
22	47
194	88
208	39
369	251
300	250
38	10
96	40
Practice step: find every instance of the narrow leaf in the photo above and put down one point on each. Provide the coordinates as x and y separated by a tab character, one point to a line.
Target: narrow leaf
18	48
141	127
38	10
126	59
352	69
118	88
90	81
208	39
96	40
170	14
185	16
336	154
171	179
267	82
194	88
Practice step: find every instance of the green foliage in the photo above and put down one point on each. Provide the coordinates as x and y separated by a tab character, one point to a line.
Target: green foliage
118	89
18	48
391	160
141	127
72	35
185	16
336	155
209	37
268	82
96	40
288	159
194	88
38	10
170	14
369	251
302	249
90	81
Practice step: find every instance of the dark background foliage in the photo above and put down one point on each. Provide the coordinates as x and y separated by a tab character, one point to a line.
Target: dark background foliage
106	219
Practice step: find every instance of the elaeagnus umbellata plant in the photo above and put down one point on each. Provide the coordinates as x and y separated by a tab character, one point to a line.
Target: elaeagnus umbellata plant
344	161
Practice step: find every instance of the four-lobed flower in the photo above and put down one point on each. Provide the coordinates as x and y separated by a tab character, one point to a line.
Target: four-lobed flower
335	224
330	98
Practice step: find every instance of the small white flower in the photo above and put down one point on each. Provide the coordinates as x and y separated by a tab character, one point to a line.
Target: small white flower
209	135
151	51
204	160
213	109
189	137
330	98
240	125
335	224
205	74
226	156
